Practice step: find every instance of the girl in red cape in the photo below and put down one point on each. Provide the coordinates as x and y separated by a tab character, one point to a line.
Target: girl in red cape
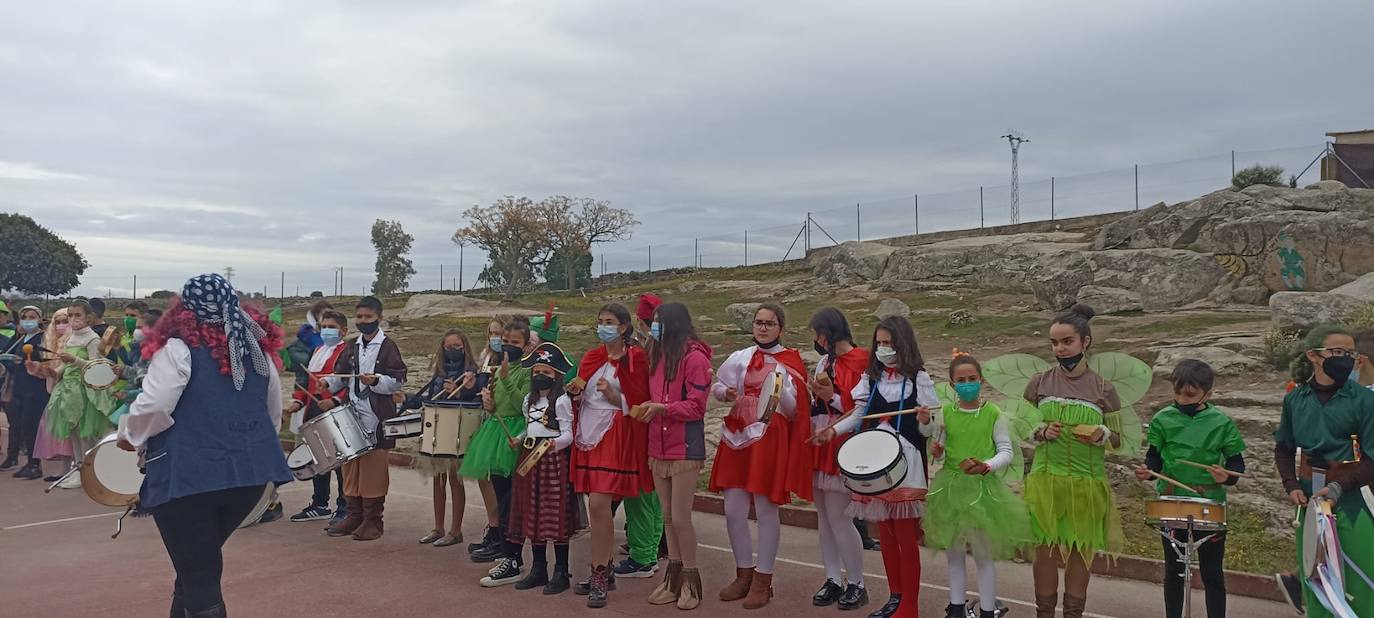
755	455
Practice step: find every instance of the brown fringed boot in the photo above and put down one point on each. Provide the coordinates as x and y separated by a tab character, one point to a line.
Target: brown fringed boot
1073	606
668	590
350	524
690	596
371	529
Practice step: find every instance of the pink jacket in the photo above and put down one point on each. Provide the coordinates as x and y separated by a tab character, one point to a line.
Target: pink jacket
680	433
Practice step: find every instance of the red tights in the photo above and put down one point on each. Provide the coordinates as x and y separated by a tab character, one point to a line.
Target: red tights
901	544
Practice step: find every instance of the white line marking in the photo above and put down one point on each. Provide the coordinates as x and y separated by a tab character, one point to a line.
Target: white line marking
59	521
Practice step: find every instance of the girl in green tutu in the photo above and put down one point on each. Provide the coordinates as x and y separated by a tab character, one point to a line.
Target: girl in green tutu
970	507
77	412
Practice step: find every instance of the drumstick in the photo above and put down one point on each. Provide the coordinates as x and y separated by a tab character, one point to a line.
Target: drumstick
1172	482
866	417
28	351
307	394
1206	467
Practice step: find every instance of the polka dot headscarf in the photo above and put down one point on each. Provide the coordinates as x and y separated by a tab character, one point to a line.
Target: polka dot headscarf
214	301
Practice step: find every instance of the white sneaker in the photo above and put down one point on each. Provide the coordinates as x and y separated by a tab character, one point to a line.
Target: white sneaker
72	482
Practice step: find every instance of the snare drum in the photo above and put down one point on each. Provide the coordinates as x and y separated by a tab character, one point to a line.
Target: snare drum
269	492
335	438
408	426
100	374
448	427
110	475
871	462
302	463
1173	512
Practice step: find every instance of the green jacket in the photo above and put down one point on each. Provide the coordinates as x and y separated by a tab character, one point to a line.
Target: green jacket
1208	437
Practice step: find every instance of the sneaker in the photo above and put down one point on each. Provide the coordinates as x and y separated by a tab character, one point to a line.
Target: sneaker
72	482
1292	591
272	514
630	568
489	553
312	513
508	572
340	514
29	472
9	462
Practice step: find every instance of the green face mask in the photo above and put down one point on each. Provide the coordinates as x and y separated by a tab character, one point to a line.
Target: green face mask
130	323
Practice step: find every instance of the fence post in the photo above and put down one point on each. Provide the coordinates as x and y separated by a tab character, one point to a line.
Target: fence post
980	207
1233	164
746	247
807	233
858	224
441	277
916	205
1137	186
651	258
283	284
135	287
696	253
1051	198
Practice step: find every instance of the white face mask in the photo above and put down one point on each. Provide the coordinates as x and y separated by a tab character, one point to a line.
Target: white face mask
886	355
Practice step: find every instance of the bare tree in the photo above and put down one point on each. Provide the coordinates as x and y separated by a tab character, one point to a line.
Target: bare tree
574	224
515	233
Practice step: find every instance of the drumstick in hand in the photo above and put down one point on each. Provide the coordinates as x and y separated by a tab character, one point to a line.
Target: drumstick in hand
1207	467
28	351
1173	482
307	394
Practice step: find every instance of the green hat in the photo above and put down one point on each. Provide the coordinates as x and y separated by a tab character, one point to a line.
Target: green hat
6	309
545	327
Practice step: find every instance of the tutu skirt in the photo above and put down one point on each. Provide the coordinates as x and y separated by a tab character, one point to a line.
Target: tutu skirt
1075	513
75	410
48	447
961	507
489	453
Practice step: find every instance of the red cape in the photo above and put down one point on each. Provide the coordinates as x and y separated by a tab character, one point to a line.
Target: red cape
632	370
798	474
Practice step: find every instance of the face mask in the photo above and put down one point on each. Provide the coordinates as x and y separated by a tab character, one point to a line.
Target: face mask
330	336
820	349
455	357
656	330
513	353
494	342
138	336
368	328
63	329
765	344
886	355
29	326
607	333
968	391
1338	368
1069	363
541	382
130	323
1189	408
76	323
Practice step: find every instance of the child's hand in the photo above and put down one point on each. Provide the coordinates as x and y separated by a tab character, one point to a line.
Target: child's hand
937	450
923	415
469	379
731	394
398	398
607	390
486	399
822	388
823	436
1053	430
652	409
1218	473
369	379
1142	473
65	357
450	386
973	467
1298	497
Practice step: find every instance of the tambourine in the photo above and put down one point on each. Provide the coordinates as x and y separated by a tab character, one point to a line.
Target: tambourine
100	374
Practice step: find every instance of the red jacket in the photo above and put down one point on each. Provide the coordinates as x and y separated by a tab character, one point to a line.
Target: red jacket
680	433
317	389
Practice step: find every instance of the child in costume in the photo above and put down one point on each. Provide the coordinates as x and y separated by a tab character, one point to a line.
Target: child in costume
490	453
487	363
77	412
313	399
1192	430
970	508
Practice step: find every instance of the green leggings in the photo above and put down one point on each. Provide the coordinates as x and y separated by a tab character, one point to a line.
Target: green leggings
643	527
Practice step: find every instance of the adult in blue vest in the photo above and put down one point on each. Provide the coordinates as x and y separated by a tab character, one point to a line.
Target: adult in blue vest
207	423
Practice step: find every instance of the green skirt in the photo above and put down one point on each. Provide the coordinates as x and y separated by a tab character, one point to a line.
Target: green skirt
1075	513
76	410
489	453
962	509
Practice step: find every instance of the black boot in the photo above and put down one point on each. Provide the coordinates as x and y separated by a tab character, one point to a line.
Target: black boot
33	470
828	594
889	608
558	582
492	536
489	553
11	461
538	576
210	612
854	597
956	611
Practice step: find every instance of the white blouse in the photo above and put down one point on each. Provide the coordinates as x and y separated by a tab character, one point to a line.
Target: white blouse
562	411
732	371
168	374
591	395
891	388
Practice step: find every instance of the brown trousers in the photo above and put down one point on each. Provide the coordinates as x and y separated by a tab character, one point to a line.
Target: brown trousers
367	476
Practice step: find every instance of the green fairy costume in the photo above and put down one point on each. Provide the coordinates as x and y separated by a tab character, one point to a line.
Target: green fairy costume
75	409
1069	497
1208	437
972	508
489	453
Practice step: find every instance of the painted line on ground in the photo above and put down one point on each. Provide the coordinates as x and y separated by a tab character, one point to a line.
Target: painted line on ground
59	521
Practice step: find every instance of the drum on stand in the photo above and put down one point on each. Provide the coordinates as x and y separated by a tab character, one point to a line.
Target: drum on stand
335	438
871	462
448	427
1174	512
100	374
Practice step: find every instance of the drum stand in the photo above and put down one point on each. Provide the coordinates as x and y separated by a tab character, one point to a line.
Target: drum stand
1186	550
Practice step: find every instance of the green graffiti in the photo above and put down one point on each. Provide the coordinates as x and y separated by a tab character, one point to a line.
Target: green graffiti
1291	271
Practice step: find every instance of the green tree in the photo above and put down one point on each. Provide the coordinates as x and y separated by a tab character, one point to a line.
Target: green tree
1271	175
393	268
34	260
514	232
574	224
556	274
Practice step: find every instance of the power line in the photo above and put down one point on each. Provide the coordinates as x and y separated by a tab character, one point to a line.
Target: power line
1015	139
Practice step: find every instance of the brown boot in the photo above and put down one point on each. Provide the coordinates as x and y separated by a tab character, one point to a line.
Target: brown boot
760	591
352	521
371	529
690	596
1073	606
668	589
740	587
1044	605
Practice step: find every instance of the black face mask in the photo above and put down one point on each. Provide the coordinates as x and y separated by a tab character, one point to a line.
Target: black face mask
820	349
540	382
367	328
1069	363
513	353
765	344
455	357
1338	368
1190	408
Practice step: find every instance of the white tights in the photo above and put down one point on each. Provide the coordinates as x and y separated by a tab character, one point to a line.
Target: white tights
737	524
840	542
987	575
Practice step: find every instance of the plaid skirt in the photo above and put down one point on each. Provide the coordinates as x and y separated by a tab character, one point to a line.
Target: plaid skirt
543	507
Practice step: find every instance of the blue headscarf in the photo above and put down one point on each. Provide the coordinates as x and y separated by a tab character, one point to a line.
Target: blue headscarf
214	301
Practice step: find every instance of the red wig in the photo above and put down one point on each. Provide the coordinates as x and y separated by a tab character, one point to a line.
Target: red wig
178	322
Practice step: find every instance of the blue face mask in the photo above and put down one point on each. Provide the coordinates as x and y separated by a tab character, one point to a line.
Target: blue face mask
29	326
968	391
494	343
656	331
330	336
607	332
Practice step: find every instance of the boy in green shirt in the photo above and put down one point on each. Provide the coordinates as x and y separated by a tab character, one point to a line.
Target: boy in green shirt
1192	430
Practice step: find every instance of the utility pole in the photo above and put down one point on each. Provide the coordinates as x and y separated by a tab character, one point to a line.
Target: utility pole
229	273
460	267
1015	139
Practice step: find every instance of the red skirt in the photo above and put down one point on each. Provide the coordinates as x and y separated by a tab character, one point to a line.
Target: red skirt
618	465
760	468
543	507
825	458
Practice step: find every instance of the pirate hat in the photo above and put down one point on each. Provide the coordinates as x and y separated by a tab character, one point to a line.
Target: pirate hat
548	354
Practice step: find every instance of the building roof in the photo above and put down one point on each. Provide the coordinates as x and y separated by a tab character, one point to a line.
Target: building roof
1339	133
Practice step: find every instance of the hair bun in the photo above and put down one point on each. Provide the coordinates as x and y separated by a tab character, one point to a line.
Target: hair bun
1083	310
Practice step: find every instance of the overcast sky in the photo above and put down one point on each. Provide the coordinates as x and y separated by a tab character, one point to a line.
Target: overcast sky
171	138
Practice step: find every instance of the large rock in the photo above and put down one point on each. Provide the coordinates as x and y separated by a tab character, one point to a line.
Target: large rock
982	261
1362	288
1225	362
1160	278
1303	310
429	305
1109	300
742	314
854	262
891	307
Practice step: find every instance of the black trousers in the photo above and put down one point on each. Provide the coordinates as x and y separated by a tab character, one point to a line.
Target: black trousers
194	529
503	486
321	483
23	414
1209	557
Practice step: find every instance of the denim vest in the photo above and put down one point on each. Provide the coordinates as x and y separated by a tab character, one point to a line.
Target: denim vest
222	438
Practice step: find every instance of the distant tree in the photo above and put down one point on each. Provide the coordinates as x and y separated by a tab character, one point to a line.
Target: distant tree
34	260
557	271
161	295
393	268
514	232
574	224
1271	175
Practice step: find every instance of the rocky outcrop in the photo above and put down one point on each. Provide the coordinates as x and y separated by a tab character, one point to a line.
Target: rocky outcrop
429	305
742	314
1106	300
1304	310
891	307
1225	362
1362	288
1160	278
854	262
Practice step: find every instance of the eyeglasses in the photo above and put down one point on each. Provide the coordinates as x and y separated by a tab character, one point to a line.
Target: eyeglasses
1336	352
764	324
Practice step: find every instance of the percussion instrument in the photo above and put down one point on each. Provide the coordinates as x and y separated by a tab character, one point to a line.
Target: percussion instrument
100	374
538	449
1179	512
110	475
871	462
335	438
269	491
407	426
1323	563
448	427
770	395
302	463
